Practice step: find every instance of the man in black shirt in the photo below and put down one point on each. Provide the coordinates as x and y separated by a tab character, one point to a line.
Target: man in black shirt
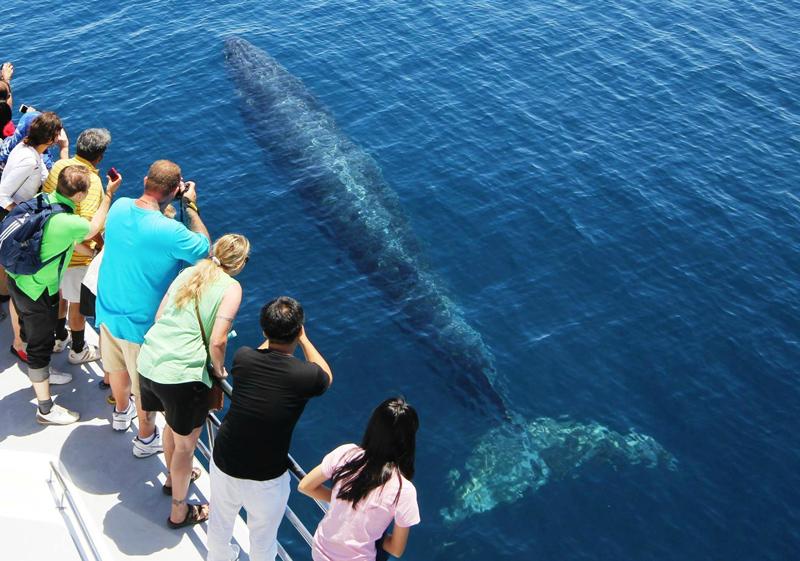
249	469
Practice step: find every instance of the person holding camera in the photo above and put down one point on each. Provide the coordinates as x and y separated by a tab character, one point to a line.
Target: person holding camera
143	253
25	171
250	463
35	295
90	148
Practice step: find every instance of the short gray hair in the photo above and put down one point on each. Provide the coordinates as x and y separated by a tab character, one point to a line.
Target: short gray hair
92	143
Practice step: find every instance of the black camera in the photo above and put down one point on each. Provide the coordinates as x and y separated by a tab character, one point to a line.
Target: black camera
184	186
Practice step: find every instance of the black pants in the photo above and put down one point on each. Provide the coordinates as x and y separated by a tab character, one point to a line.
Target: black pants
37	324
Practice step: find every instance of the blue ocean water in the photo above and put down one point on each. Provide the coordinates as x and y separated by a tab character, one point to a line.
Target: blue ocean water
607	189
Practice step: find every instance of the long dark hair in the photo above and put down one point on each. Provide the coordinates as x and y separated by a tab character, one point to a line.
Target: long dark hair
389	444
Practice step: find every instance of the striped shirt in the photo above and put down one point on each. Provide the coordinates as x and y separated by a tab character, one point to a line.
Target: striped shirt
87	207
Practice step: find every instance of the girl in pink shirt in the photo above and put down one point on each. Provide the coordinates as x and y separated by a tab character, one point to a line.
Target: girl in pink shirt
371	488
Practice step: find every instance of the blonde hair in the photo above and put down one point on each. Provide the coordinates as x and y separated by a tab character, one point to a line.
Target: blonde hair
229	254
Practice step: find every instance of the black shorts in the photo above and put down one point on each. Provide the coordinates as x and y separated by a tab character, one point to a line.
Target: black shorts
86	306
185	406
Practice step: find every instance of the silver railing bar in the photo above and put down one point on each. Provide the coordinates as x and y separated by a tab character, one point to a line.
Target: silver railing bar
301	529
212	434
299	473
204	450
283	554
66	494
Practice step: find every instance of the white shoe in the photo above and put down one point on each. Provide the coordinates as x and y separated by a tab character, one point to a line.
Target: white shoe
61	344
89	353
142	450
57	416
122	421
57	377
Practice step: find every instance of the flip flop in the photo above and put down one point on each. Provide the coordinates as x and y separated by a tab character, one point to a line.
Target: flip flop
22	355
192	517
196	473
102	385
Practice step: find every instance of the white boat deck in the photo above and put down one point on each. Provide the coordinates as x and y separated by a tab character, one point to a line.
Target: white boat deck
118	496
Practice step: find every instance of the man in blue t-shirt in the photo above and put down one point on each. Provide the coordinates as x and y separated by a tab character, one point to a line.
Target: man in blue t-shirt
144	251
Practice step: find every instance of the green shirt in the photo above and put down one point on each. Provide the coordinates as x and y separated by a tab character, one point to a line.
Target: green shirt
173	350
61	232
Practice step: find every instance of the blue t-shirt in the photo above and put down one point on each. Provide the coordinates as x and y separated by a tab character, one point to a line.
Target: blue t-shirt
144	252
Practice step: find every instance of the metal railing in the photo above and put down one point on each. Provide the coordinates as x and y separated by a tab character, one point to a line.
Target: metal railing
212	426
66	495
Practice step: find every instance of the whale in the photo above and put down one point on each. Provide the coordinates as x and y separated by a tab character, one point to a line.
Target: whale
357	209
360	212
511	461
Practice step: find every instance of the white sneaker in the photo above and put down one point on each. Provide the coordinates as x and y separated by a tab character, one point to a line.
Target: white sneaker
142	450
122	421
61	344
57	416
89	353
57	377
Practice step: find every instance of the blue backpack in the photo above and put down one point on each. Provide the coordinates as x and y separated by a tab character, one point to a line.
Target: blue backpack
21	236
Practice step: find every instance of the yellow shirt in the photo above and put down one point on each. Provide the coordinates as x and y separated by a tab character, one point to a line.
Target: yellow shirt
87	207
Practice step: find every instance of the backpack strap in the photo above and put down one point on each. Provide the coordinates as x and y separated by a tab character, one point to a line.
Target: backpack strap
57	208
63	256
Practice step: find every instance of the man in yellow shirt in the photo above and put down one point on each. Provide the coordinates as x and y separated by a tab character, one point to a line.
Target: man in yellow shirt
89	151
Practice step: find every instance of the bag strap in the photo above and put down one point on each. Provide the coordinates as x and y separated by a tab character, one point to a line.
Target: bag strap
202	329
63	256
57	208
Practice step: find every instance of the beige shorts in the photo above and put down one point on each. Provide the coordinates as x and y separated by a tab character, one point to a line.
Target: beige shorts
71	284
119	356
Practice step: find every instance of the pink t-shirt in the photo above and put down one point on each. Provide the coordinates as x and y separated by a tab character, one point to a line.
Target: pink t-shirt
348	534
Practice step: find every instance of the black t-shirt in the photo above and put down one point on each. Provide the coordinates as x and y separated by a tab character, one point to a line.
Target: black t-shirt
270	391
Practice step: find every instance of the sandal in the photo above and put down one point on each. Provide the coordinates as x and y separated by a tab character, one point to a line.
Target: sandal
192	517
196	473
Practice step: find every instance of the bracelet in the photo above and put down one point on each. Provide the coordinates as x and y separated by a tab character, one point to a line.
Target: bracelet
193	206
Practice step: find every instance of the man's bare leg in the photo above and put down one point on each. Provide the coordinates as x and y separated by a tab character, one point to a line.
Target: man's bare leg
120	389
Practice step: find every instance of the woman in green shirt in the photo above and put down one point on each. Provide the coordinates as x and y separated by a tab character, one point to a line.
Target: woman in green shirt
172	361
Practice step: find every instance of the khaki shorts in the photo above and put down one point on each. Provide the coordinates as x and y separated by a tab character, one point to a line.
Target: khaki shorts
119	356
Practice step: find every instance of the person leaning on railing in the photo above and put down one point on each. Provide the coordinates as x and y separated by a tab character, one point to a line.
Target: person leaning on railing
371	489
250	462
192	323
